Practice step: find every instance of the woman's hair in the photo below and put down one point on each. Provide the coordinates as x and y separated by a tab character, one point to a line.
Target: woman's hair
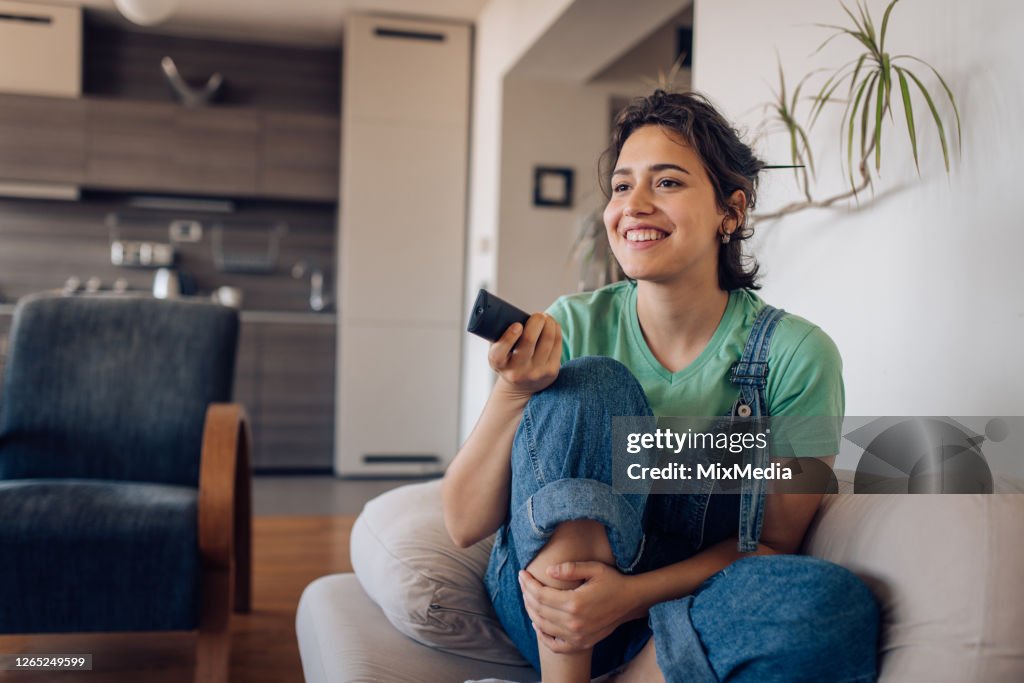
730	164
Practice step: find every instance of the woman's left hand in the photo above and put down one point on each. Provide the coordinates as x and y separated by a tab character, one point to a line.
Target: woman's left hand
577	619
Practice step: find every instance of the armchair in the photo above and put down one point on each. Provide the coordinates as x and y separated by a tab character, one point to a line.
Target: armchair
124	474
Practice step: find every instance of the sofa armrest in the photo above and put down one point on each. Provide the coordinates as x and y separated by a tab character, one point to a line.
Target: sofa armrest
225	501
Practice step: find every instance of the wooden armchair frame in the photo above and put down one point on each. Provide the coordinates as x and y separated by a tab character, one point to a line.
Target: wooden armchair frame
225	536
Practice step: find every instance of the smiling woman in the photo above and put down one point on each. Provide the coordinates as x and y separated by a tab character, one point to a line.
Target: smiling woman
586	579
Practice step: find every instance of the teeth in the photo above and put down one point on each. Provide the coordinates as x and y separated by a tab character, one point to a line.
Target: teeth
644	235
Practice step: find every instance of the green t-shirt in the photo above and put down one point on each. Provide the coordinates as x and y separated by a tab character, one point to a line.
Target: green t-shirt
804	366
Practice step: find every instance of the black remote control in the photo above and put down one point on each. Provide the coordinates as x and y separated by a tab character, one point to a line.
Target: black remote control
491	316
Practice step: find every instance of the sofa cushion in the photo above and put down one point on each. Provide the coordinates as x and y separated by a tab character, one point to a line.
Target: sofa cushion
946	570
344	638
429	589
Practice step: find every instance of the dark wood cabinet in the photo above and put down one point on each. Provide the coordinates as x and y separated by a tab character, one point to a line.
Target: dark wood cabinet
41	139
284	375
219	149
138	146
300	156
130	145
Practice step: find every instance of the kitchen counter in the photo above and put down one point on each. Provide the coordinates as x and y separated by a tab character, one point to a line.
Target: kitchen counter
286	317
289	317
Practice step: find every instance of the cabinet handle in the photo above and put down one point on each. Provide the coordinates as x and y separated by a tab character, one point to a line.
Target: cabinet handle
409	35
27	18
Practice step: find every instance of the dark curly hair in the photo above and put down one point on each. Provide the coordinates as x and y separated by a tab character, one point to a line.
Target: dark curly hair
730	164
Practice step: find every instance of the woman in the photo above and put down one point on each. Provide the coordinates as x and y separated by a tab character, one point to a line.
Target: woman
663	587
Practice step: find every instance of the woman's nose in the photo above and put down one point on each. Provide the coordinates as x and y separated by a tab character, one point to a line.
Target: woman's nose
638	202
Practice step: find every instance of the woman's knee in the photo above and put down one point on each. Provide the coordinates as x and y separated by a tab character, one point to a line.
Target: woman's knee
566	429
806	583
601	380
798	610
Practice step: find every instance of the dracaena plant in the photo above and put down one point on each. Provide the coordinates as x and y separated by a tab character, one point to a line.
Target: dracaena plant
867	85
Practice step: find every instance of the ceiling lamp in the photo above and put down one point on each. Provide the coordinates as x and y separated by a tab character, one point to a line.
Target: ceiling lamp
146	12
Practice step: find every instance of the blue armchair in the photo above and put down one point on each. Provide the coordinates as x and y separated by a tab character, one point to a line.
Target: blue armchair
124	473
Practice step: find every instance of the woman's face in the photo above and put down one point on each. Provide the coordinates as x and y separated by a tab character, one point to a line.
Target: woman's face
663	222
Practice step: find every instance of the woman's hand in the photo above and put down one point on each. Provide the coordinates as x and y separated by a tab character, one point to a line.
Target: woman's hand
527	359
577	619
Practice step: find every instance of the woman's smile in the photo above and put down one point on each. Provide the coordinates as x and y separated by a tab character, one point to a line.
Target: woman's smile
644	237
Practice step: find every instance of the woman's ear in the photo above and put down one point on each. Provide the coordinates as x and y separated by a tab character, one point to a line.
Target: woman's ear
737	210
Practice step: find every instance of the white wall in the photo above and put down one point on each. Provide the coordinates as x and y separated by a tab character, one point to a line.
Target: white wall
917	289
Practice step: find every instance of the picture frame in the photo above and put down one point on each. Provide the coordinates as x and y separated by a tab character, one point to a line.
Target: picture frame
553	186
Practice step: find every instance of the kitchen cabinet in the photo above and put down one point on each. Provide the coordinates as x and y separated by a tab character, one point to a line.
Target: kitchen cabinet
284	375
299	156
130	145
140	146
41	139
219	149
211	151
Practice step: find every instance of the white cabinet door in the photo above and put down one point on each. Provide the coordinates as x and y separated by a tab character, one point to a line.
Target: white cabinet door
398	402
402	70
402	227
403	223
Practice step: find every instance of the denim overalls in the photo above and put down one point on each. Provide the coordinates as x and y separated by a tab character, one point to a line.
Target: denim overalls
562	470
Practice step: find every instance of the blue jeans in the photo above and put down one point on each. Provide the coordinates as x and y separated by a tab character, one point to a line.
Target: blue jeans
765	619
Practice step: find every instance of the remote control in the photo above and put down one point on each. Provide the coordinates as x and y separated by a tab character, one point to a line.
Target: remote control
491	316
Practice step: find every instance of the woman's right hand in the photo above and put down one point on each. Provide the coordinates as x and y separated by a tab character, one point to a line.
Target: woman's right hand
527	359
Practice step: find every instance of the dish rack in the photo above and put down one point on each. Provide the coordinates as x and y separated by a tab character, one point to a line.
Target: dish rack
252	250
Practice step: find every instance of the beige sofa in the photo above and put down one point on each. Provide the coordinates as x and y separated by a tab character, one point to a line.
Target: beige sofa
948	571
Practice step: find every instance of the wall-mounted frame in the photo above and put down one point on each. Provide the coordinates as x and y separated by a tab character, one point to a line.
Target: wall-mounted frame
552	186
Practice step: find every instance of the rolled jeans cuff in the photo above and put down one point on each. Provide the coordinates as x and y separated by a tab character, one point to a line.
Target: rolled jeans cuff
678	648
566	500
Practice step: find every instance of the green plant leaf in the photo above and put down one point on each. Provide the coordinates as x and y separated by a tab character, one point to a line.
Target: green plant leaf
796	96
866	19
860	36
949	94
885	24
856	72
782	81
908	109
807	148
856	22
825	94
840	31
935	117
879	114
887	80
853	125
864	116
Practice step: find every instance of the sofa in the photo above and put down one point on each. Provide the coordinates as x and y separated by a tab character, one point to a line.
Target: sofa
947	571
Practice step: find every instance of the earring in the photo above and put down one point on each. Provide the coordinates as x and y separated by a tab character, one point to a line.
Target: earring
726	236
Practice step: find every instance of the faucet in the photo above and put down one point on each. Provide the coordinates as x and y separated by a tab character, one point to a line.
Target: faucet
317	300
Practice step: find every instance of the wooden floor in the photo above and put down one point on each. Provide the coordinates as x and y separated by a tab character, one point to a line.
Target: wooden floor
288	553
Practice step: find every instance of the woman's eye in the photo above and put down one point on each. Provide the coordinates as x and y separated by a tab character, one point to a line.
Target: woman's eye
669	182
620	187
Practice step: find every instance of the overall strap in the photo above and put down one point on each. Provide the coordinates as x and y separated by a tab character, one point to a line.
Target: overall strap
750	374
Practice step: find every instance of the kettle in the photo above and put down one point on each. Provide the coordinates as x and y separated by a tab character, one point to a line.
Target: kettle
166	284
